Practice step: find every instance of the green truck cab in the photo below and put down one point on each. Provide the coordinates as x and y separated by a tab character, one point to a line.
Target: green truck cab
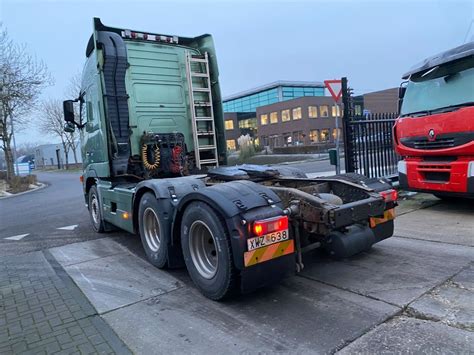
154	163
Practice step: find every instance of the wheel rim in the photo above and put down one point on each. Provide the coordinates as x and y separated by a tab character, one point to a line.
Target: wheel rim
95	209
151	229
202	246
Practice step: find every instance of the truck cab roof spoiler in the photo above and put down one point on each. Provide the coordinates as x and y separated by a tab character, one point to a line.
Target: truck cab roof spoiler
450	55
99	26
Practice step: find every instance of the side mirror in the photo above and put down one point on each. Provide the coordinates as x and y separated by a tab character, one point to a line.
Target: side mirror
68	108
69	127
401	92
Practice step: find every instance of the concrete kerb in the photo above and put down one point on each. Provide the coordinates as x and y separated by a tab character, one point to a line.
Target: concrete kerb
41	186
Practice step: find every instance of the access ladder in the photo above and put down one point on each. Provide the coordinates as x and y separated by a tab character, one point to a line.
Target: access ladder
200	96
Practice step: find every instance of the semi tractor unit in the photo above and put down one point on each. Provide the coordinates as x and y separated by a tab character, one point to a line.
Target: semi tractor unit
154	163
435	131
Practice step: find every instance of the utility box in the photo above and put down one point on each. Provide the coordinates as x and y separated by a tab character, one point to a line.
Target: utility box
332	156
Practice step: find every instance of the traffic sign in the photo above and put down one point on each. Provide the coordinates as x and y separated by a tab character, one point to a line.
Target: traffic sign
335	88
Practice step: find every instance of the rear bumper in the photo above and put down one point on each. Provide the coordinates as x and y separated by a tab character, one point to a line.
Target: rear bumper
454	178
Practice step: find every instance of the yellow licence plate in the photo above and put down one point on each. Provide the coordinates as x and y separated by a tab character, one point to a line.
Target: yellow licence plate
388	215
267	239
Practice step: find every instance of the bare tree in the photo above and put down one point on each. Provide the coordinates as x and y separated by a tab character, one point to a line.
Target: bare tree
27	148
51	122
22	77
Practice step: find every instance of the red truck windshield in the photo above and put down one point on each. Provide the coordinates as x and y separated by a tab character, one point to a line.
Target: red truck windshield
429	91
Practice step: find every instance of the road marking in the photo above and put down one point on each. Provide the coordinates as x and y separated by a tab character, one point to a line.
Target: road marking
17	237
68	228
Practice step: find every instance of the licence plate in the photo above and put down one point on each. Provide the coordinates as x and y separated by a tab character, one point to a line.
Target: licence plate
267	239
388	215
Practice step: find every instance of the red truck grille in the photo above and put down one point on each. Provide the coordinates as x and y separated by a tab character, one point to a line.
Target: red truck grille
435	172
436	144
441	141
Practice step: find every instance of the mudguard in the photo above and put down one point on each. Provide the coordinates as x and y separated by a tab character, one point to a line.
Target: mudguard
169	193
238	202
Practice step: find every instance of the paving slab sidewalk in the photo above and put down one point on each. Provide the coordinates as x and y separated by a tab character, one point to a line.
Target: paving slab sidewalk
42	311
149	308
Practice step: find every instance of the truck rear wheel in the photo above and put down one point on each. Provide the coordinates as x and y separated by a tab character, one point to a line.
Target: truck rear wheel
95	211
207	251
150	224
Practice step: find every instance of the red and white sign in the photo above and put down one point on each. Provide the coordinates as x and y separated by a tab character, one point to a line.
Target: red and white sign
335	88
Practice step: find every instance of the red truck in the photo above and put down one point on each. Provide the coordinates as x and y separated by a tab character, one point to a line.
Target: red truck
434	133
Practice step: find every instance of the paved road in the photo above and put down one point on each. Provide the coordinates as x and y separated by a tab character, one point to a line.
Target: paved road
411	293
39	214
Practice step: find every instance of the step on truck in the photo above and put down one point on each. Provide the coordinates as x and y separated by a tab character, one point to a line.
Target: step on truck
154	163
434	134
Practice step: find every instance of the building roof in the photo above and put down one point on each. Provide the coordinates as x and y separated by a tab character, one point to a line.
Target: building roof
275	84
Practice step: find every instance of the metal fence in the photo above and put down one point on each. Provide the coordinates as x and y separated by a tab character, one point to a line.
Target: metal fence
368	145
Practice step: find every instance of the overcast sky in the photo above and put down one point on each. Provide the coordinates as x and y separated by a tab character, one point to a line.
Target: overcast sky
371	42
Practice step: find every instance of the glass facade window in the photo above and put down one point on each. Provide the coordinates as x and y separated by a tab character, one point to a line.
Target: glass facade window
285	115
274	117
298	138
312	111
229	124
324	111
297	113
334	133
248	123
250	102
336	111
324	135
314	136
358	110
231	144
264	119
289	93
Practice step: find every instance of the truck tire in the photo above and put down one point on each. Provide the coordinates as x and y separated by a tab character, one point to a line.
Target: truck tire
95	212
207	251
151	227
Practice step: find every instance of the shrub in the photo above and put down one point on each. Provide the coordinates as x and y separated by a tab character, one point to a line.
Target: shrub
21	183
247	149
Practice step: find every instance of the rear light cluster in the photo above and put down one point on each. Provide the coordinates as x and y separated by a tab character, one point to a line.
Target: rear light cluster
149	37
389	195
270	225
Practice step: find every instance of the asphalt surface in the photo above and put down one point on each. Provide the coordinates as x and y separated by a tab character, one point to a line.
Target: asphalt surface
412	293
40	214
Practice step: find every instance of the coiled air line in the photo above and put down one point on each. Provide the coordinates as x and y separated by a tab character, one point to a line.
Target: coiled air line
146	163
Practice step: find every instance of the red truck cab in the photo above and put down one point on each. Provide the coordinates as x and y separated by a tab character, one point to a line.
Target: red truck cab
434	134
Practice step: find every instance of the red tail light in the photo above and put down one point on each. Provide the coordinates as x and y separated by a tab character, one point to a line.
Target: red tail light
270	225
389	195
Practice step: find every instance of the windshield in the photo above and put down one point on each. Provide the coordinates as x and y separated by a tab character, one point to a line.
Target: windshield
425	93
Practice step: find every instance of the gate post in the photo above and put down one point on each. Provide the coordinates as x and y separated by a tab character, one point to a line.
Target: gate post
349	156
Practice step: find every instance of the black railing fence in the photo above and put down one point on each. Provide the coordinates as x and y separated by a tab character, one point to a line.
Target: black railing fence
368	145
368	141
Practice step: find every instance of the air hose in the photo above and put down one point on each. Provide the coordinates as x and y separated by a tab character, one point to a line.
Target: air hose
146	163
